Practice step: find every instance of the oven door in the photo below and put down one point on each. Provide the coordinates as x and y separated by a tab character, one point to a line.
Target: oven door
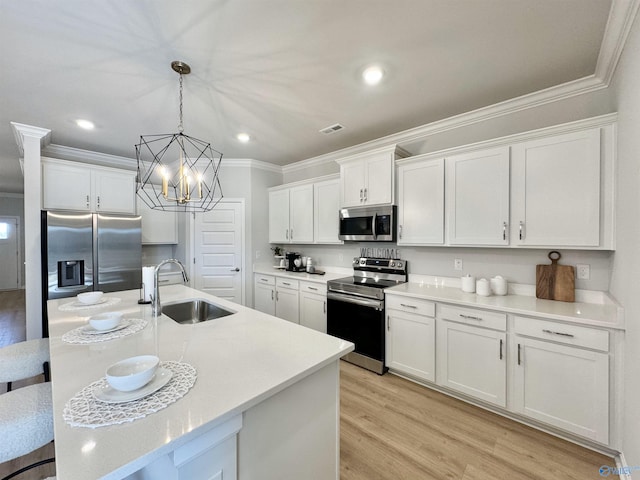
361	321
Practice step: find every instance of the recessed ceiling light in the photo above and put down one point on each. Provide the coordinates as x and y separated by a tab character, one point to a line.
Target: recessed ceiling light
372	75
243	137
86	124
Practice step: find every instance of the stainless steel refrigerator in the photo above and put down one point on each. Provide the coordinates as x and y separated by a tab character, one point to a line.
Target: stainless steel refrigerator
89	251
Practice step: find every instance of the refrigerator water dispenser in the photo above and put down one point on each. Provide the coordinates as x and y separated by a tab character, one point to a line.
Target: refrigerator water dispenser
70	273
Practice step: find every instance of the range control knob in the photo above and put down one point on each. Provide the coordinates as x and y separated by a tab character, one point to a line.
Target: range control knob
392	264
399	264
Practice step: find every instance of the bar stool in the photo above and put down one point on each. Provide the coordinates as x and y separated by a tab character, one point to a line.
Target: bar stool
26	414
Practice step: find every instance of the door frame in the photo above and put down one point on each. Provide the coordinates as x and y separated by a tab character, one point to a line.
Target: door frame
18	246
192	244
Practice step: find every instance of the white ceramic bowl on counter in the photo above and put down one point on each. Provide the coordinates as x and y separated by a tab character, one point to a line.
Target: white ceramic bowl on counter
105	321
90	298
132	373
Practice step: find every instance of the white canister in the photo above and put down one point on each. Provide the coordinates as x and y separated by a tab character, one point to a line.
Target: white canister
483	287
468	283
498	285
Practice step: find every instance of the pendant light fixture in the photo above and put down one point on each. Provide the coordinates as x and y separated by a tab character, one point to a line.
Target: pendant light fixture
177	172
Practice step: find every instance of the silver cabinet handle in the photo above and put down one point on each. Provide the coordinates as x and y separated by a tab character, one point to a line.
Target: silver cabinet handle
500	349
365	194
271	294
286	234
388	323
407	306
361	195
520	229
87	201
235	269
519	359
504	230
277	297
98	201
313	288
286	283
263	280
558	333
324	307
291	234
400	231
471	317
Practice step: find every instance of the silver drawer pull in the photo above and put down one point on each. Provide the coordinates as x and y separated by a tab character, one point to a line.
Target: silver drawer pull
471	317
264	280
558	333
312	288
407	306
286	283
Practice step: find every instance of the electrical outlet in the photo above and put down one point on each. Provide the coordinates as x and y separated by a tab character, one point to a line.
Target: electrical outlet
457	263
583	272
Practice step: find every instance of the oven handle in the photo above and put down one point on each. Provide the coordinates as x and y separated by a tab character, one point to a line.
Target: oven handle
364	302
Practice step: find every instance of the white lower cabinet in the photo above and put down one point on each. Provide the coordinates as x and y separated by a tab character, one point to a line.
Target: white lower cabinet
264	294
313	306
287	300
410	337
559	377
472	360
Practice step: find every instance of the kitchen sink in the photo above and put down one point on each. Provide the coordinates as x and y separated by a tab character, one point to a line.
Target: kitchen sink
194	311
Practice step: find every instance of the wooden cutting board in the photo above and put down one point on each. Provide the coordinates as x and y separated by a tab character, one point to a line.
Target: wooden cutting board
555	282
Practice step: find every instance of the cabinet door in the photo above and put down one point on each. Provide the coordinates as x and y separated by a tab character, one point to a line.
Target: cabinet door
66	187
287	304
556	190
352	183
264	298
564	386
301	214
410	344
478	197
472	360
279	216
114	192
421	203
313	311
326	205
379	179
158	227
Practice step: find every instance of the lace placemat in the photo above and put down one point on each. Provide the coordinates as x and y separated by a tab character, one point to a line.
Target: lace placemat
76	305
84	410
80	336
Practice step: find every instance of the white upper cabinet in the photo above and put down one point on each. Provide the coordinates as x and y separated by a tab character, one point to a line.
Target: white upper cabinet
368	178
421	203
555	196
80	187
478	197
326	204
291	215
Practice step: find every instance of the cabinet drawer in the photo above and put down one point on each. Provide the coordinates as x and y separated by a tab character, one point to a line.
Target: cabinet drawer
562	333
265	279
310	287
287	283
472	316
410	305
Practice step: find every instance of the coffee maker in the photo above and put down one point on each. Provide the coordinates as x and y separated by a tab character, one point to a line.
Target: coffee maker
293	262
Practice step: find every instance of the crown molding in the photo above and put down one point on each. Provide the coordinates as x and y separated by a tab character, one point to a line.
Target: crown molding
251	163
20	130
87	156
619	23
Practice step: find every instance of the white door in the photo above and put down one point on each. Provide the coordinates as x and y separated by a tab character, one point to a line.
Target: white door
279	216
326	205
472	360
218	247
264	297
352	183
9	253
313	311
301	214
410	343
287	304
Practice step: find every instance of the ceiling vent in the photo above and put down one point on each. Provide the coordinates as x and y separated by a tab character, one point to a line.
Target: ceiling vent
332	129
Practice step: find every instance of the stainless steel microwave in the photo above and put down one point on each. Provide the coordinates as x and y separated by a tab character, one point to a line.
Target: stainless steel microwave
368	224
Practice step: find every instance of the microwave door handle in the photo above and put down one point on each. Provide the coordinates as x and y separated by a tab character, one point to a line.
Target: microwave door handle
375	215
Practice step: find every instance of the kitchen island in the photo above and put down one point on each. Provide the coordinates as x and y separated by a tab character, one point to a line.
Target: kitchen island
265	403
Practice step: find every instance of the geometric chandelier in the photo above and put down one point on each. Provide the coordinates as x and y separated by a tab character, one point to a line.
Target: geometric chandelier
177	172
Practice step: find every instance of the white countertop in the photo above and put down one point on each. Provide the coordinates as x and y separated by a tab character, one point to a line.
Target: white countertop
331	273
608	315
241	360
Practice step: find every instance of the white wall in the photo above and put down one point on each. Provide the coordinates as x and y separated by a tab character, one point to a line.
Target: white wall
626	260
12	205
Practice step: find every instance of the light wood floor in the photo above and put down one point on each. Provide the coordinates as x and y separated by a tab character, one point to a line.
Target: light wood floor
394	429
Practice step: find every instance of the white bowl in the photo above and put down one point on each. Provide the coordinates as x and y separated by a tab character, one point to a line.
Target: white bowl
90	298
132	373
105	321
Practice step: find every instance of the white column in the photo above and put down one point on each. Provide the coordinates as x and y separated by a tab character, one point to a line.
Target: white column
30	141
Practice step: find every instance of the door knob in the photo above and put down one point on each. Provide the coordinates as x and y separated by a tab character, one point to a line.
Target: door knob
235	269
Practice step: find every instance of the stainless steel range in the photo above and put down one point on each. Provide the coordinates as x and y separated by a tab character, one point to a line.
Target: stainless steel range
355	308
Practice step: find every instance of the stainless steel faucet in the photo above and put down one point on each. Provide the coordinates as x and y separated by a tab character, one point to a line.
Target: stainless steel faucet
156	307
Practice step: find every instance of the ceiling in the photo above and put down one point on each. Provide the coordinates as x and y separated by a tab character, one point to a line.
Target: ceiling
280	70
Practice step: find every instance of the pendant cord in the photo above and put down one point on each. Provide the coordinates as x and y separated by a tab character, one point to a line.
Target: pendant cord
180	126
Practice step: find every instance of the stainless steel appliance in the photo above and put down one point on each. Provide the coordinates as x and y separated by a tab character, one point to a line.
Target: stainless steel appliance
368	224
355	308
84	251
